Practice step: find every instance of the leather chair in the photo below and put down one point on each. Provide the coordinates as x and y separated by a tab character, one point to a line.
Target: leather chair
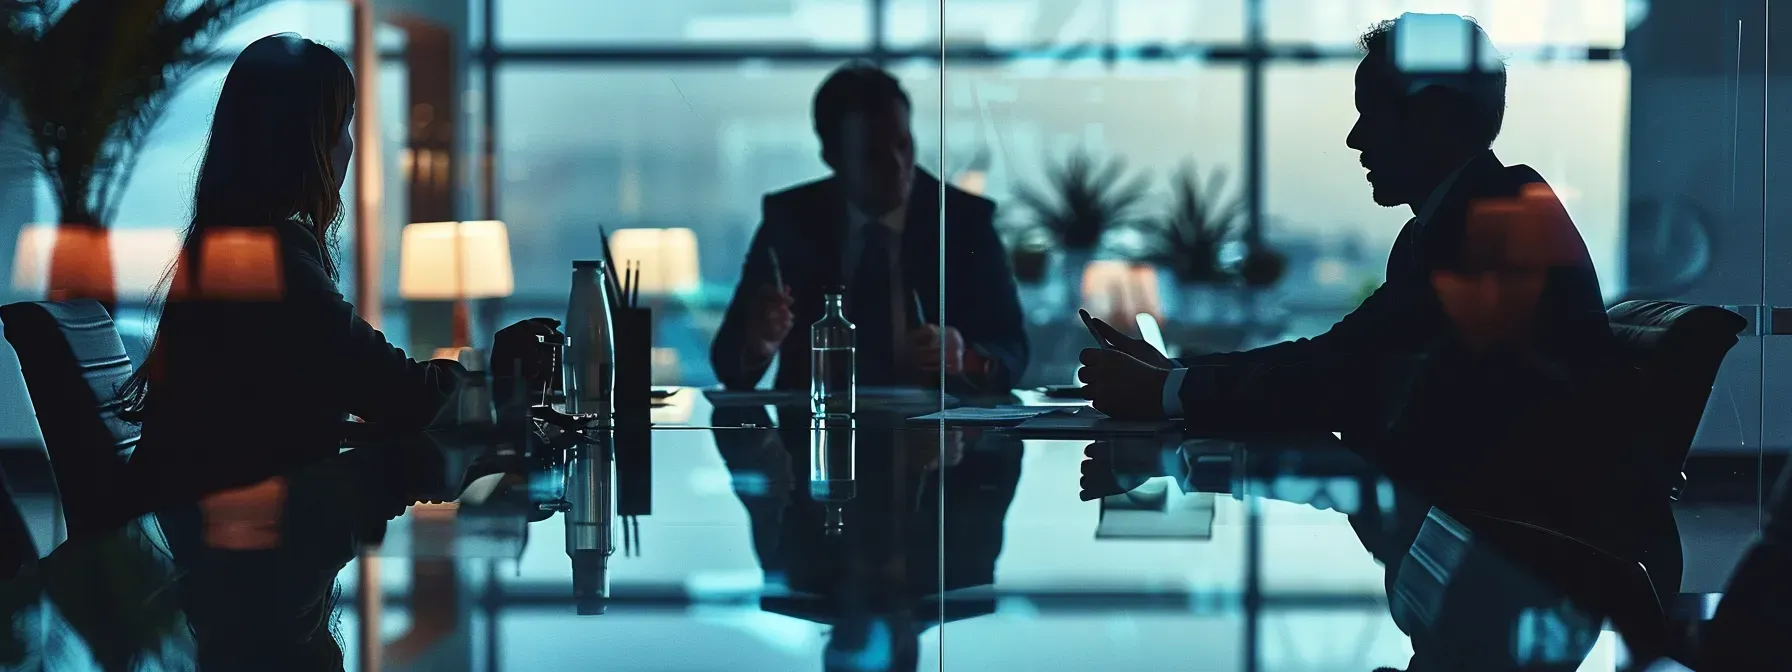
1679	348
73	363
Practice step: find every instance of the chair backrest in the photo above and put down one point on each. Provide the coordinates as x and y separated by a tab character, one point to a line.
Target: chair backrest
1679	347
73	363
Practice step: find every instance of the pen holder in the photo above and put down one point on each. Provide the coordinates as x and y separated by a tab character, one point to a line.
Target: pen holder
634	464
634	358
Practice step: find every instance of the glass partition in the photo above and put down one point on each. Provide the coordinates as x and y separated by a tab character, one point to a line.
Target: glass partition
1246	334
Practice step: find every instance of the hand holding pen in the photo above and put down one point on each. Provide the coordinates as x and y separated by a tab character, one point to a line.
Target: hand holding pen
771	319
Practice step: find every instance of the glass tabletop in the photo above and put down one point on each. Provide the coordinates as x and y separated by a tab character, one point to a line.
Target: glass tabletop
753	537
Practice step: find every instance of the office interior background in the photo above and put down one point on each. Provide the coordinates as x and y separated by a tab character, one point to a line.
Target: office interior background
1650	118
1656	121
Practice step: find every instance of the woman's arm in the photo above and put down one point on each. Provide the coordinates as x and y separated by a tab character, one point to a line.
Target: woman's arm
374	380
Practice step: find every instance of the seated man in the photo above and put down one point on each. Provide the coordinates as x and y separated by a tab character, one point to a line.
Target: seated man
1490	258
874	229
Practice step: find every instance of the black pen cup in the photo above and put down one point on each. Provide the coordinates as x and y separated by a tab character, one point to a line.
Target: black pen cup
634	358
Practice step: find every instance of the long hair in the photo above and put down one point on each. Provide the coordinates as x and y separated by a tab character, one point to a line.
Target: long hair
280	115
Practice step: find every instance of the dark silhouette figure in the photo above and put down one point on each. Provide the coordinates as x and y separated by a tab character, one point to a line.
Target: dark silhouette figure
874	229
1490	263
258	359
1748	630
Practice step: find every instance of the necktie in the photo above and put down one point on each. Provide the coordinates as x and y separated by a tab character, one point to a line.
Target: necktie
872	308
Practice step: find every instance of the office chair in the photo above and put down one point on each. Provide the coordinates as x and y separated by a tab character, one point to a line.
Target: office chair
73	363
1679	348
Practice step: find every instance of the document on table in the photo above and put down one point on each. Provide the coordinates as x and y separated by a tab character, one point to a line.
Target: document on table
1088	420
1000	416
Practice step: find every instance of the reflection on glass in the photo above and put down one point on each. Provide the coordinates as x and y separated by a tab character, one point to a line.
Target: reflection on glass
589	508
833	471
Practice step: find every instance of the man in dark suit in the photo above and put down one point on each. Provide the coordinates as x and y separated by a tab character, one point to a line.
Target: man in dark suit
873	228
1490	269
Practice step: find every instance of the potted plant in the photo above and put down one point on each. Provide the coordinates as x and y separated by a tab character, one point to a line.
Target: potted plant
1085	198
89	82
1190	236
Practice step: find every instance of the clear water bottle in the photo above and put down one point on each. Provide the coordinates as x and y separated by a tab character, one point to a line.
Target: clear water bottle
833	474
832	372
589	372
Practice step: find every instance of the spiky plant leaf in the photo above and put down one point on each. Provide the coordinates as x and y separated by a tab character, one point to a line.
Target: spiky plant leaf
1084	198
1197	224
91	82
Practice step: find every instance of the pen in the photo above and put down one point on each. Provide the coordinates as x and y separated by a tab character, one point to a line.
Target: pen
920	312
777	268
634	287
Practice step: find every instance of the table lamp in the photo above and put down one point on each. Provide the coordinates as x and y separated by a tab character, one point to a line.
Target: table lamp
455	261
137	260
667	258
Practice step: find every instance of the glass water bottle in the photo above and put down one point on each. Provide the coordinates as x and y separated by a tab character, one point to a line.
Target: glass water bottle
832	372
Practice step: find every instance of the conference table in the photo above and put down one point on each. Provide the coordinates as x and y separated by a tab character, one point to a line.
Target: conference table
718	532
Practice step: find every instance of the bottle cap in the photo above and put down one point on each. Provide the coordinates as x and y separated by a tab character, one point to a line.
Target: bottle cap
834	289
588	263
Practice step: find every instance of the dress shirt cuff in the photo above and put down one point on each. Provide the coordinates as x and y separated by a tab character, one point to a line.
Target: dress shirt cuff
1173	392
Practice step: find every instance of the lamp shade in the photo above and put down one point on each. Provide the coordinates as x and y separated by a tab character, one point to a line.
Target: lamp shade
430	269
138	258
668	258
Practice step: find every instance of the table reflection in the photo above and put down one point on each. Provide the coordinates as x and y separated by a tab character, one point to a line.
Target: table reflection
859	543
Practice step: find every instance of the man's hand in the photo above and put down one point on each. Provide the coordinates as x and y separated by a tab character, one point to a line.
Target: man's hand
769	321
1138	349
938	347
1121	386
1117	468
520	346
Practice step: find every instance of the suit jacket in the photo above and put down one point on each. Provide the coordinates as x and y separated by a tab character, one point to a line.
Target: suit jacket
1357	376
807	225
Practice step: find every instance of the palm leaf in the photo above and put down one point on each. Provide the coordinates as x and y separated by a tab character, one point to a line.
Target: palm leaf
91	84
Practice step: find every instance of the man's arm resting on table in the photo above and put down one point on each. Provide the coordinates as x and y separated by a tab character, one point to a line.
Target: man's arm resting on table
1173	390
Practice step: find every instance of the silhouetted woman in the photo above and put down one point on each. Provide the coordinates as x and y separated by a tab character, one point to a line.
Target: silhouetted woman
257	358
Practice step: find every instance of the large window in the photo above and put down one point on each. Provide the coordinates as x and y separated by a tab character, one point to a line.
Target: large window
684	113
674	23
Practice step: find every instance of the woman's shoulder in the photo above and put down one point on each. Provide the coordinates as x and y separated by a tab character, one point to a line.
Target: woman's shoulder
298	236
302	258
